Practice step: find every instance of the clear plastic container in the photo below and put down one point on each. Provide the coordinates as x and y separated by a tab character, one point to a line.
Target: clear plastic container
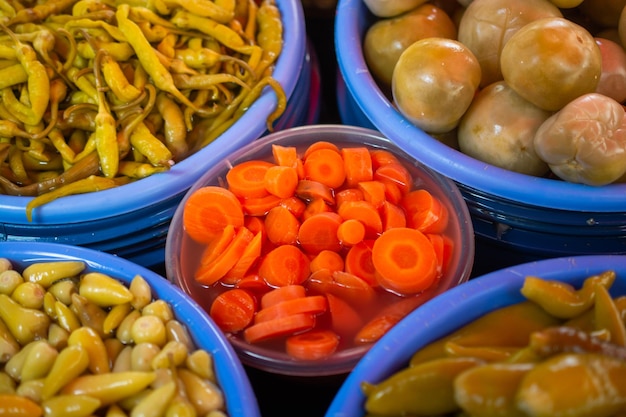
231	376
182	253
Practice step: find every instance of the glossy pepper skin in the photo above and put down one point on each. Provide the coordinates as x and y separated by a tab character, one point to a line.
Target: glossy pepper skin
423	390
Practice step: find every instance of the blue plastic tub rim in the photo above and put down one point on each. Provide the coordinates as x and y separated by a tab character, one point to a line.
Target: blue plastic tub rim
351	21
481	295
182	175
232	377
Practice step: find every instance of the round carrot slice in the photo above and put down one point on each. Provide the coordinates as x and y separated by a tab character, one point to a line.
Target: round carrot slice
405	261
312	304
285	265
319	232
312	345
247	179
278	327
233	310
208	210
325	166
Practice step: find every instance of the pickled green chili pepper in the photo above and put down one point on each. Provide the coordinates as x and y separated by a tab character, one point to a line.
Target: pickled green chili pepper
160	75
117	81
12	75
423	390
41	11
174	129
205	8
105	133
151	147
270	35
38	85
90	184
561	299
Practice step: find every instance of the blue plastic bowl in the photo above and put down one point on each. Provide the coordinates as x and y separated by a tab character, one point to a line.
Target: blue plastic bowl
132	221
231	375
456	308
514	213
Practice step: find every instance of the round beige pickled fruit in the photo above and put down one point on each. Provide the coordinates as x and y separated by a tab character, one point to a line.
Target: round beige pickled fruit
499	128
434	82
486	25
551	61
386	39
585	141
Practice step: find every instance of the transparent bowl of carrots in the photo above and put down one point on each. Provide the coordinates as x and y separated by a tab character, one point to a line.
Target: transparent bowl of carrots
309	244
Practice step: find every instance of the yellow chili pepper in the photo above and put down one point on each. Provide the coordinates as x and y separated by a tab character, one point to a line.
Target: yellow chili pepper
70	406
109	387
150	146
103	290
71	362
18	406
47	273
115	316
94	346
25	324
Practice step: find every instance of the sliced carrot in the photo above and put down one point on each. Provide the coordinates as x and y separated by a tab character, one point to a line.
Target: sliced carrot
314	207
255	224
320	144
327	259
393	192
392	216
396	173
249	256
295	205
443	246
285	156
437	241
312	345
218	245
280	294
342	284
208	210
253	283
309	190
348	194
351	232
405	261
359	262
259	206
284	265
233	310
373	192
319	232
281	181
358	165
247	179
281	226
300	169
213	271
382	157
424	211
325	166
344	319
390	316
366	213
278	327
312	304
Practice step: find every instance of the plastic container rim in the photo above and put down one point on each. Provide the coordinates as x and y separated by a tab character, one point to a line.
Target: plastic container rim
467	171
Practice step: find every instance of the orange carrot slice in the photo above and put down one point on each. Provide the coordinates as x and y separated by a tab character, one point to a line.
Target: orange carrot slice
320	144
366	213
208	210
284	265
218	245
249	256
327	259
247	179
424	211
358	165
373	192
281	181
392	216
397	174
325	166
233	310
280	294
281	226
295	205
344	319
312	304
259	206
285	155
405	261
351	232
213	271
348	194
278	327
359	262
319	232
312	345
382	157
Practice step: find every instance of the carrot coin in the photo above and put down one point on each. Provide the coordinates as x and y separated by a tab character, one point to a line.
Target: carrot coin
233	310
247	179
285	265
312	345
278	327
208	210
